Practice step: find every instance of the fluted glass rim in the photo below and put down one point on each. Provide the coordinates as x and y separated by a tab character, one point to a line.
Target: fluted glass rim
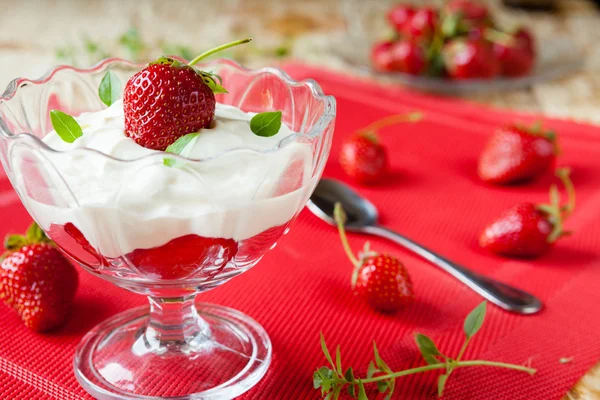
317	130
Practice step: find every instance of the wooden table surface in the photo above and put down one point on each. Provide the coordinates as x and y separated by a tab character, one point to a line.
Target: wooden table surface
33	32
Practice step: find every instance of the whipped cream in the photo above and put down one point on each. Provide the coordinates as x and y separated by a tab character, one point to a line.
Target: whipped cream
120	206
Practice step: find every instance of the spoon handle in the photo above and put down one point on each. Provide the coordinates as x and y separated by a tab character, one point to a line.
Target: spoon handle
501	294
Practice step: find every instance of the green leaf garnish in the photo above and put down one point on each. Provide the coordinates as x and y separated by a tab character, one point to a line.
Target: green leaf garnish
266	124
474	320
442	384
331	381
428	349
65	126
110	88
182	146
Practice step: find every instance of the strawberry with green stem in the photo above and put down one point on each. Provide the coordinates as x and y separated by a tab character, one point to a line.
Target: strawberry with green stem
332	380
380	279
169	99
528	229
36	280
518	153
363	157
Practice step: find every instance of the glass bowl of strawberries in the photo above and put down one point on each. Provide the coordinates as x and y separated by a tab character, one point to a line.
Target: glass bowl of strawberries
460	48
167	180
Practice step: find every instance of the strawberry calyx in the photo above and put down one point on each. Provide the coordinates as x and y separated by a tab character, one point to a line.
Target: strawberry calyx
212	80
555	211
340	218
34	235
537	129
371	136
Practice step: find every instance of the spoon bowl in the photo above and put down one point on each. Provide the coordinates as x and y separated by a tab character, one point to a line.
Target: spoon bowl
360	212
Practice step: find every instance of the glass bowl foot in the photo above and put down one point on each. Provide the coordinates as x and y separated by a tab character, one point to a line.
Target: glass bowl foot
122	358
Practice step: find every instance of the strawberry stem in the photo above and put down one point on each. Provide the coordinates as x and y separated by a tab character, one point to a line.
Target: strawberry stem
340	218
557	213
563	175
391	120
470	363
498	37
217	49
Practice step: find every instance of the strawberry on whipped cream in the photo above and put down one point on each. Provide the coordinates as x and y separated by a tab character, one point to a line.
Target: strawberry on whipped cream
242	186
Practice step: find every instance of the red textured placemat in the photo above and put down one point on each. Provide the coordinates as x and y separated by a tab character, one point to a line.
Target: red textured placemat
302	287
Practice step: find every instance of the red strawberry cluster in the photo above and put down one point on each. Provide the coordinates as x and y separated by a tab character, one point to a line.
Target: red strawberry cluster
460	41
516	154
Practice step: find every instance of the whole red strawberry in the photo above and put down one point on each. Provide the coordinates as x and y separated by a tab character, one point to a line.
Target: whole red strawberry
363	157
37	281
380	279
169	99
517	57
468	9
525	37
399	17
517	153
527	229
470	59
381	56
423	23
408	56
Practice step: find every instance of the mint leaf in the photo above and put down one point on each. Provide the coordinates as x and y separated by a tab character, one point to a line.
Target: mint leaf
428	349
182	146
474	320
65	126
442	384
110	88
266	124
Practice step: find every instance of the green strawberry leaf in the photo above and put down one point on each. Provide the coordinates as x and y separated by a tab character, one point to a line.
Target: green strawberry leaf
474	320
428	349
35	234
65	126
14	242
182	146
266	124
110	88
213	81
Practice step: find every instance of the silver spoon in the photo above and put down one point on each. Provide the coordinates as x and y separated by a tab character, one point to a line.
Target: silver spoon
362	217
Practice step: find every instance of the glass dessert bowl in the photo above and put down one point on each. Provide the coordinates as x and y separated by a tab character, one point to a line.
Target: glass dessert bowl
167	232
